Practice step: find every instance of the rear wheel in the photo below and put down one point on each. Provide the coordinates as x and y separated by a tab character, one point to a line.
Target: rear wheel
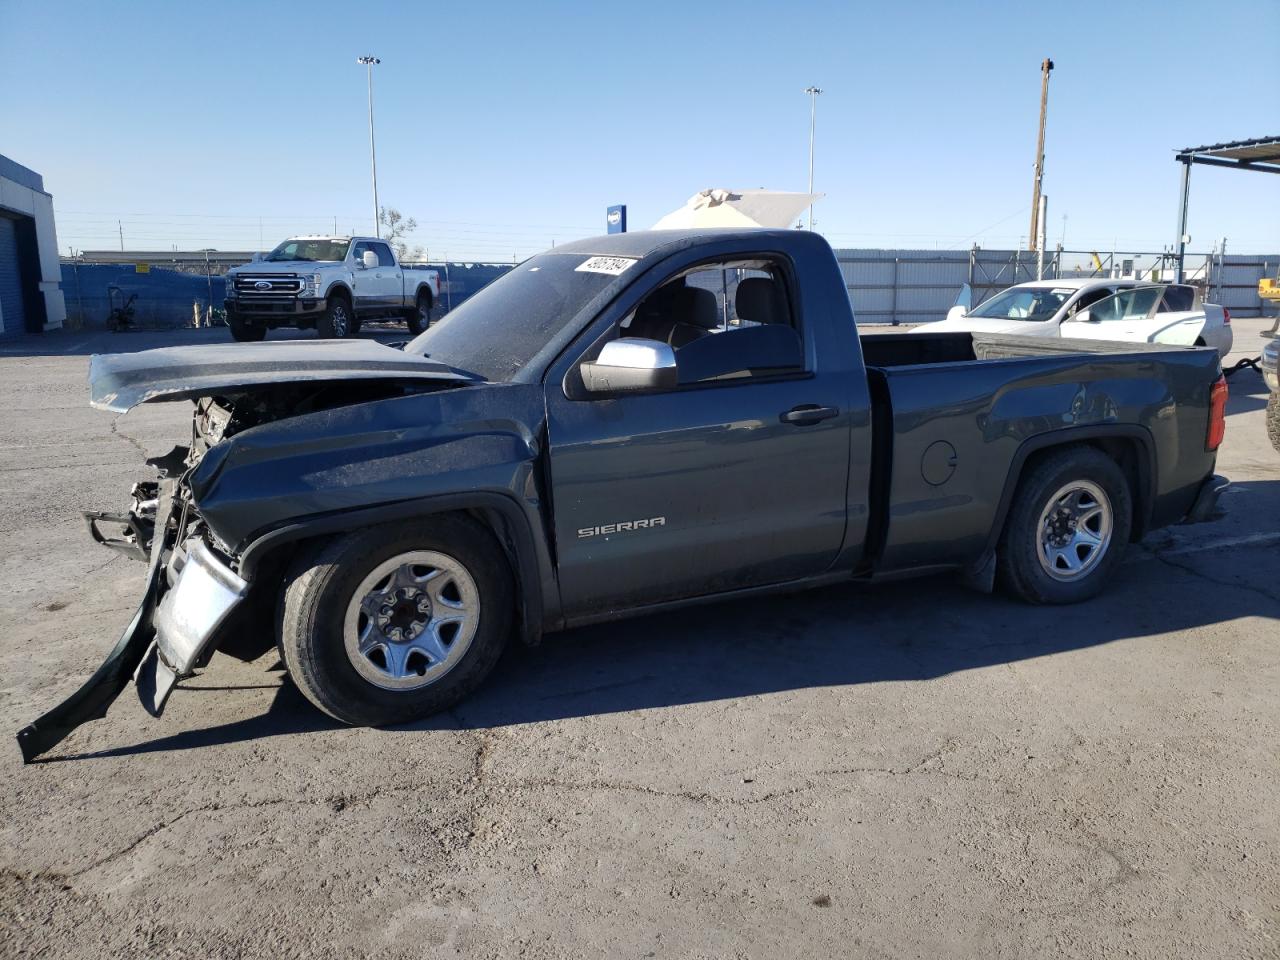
338	321
392	624
245	332
1067	528
420	318
1273	420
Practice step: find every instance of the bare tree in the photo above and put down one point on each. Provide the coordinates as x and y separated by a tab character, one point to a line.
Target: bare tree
396	227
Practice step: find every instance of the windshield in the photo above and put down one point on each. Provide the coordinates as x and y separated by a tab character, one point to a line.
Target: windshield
1023	303
504	326
309	251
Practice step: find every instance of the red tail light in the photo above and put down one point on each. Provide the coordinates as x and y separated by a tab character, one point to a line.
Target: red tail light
1217	415
1226	317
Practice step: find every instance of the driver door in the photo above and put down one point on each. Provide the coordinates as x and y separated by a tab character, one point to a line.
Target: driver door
714	483
376	287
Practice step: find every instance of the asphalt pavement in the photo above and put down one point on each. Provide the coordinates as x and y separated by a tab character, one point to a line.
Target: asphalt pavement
915	770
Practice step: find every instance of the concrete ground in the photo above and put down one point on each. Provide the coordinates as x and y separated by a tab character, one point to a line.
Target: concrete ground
910	771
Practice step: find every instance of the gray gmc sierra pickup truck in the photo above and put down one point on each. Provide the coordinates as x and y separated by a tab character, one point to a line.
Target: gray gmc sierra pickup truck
617	426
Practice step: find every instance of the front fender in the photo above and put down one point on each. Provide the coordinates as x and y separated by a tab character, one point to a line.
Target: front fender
475	448
510	524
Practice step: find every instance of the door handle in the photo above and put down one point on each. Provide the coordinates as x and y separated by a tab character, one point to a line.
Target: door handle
808	414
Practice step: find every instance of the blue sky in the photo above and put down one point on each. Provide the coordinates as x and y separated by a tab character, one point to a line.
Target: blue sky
505	127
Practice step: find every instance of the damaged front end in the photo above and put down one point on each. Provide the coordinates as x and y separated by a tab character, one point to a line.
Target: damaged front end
191	589
194	583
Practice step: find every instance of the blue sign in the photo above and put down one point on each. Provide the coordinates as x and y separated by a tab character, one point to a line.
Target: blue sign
616	218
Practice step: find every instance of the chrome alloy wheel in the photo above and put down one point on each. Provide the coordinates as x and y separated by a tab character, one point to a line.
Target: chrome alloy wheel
1074	531
341	322
411	620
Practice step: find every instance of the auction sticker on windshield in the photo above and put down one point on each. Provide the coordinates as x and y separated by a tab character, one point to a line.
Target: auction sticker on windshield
610	265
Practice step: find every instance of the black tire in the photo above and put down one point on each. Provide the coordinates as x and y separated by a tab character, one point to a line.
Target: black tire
420	317
321	584
242	331
1273	420
1020	567
338	321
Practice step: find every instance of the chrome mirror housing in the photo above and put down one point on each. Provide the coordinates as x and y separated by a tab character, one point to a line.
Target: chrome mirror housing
631	365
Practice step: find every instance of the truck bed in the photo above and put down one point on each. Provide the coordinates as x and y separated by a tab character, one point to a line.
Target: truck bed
916	349
958	409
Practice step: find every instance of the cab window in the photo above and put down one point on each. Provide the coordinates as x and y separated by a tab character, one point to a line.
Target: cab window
385	259
726	321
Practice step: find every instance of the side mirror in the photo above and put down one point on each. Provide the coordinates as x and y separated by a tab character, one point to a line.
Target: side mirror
1084	316
631	365
958	312
369	260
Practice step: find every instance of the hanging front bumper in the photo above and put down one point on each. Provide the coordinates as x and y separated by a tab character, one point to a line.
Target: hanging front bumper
187	620
189	594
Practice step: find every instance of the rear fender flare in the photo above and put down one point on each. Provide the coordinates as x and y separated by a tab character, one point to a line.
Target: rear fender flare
500	514
1144	463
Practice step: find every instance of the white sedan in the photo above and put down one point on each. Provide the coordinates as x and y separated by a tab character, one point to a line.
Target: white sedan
1096	309
1033	309
1162	313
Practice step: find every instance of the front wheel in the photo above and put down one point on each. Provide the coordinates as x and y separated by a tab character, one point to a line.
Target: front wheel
244	332
392	624
1067	528
420	318
338	321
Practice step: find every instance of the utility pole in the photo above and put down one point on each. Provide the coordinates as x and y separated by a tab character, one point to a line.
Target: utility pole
1034	236
120	227
813	117
373	153
1043	240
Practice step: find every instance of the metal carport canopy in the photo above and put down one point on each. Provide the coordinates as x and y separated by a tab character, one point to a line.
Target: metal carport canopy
1261	154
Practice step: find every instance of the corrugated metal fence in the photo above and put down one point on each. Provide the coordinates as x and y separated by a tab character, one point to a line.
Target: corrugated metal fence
919	286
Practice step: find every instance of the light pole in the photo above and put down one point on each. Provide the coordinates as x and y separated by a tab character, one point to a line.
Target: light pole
373	153
813	117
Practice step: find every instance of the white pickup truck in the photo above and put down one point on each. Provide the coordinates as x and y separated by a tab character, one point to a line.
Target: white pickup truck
331	284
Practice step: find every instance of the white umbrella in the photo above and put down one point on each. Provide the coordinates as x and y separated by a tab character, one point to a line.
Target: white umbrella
738	208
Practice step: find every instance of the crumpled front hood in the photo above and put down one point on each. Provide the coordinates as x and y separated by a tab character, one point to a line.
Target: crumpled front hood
120	381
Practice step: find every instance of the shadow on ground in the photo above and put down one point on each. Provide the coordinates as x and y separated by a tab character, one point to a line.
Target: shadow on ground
1246	392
